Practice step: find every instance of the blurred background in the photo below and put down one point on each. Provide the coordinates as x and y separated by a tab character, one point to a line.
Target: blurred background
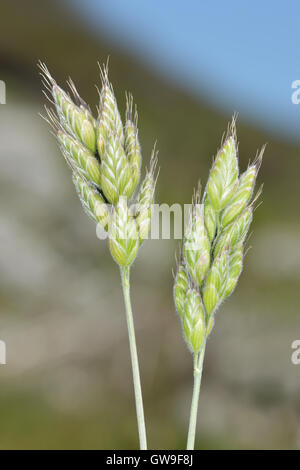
67	383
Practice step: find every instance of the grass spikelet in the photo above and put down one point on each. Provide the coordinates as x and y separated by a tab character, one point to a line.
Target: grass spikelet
109	119
235	268
181	286
210	219
81	103
72	118
215	282
83	160
223	178
145	200
115	171
193	320
243	193
196	244
123	236
92	202
236	232
132	145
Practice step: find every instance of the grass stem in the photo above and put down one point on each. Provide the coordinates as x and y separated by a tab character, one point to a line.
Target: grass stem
198	366
125	276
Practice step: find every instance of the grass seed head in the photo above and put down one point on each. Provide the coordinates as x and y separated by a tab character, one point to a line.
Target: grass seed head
208	273
105	161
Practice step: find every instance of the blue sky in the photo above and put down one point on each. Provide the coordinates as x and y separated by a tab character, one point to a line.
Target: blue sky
241	56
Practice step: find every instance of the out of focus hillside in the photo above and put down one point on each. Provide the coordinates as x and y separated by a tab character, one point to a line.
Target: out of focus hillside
67	383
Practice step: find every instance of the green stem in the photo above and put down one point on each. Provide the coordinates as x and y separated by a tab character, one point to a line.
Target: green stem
125	272
198	366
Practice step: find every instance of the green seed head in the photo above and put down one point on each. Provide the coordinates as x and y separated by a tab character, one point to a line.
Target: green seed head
193	321
215	282
235	266
123	234
181	286
80	158
197	246
92	202
106	164
211	269
223	178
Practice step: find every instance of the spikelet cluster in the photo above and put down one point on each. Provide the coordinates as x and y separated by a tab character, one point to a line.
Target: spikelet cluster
213	247
105	158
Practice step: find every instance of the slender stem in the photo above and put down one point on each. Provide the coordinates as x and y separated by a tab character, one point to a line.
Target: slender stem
125	272
198	366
